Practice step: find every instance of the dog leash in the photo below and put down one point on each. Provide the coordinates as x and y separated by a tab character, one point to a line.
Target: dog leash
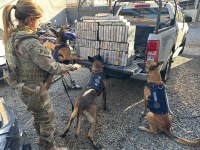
65	87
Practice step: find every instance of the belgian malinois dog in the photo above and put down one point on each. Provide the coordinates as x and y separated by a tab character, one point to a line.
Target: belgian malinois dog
158	118
85	105
61	53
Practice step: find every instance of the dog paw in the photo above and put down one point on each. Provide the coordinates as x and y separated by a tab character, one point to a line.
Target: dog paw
63	135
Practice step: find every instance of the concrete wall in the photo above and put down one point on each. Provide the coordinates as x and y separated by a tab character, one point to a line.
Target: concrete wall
53	10
192	13
72	13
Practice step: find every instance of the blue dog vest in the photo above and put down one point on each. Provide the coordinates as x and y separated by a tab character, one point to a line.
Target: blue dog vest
158	102
96	82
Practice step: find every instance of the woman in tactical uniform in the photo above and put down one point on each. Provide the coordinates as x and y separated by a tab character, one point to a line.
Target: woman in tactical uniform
31	63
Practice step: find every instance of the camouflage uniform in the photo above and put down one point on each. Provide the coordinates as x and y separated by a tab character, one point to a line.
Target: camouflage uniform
34	63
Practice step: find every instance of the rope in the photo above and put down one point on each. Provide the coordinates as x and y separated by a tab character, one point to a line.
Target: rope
66	90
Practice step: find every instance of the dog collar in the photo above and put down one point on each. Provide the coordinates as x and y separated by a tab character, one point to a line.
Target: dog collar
153	67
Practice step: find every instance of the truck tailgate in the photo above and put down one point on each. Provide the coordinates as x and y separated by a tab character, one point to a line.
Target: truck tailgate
132	69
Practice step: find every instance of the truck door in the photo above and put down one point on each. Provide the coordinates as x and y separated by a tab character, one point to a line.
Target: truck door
179	27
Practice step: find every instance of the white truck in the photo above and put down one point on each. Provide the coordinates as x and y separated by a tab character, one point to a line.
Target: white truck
160	34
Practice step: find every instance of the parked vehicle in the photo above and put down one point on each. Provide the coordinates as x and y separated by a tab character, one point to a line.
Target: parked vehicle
2	55
12	136
160	34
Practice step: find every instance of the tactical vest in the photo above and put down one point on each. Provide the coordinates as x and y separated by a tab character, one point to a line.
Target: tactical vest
157	102
96	82
24	68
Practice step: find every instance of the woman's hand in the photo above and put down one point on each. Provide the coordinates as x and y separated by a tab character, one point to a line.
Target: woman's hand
76	66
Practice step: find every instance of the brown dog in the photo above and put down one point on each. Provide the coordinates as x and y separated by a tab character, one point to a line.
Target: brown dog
158	118
86	104
60	52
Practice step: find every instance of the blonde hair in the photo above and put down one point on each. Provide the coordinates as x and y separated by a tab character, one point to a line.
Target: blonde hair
23	9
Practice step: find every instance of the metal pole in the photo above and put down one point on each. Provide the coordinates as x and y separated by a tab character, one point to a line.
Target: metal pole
158	19
79	3
110	5
198	11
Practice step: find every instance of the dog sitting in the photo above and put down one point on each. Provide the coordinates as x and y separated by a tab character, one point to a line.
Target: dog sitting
155	100
86	104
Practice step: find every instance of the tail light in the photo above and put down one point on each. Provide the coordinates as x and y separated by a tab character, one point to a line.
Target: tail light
152	50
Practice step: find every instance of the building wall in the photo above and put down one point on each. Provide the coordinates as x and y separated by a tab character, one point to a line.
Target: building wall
192	13
72	13
53	10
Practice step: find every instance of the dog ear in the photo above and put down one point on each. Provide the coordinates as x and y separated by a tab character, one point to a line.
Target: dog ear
99	57
54	32
91	59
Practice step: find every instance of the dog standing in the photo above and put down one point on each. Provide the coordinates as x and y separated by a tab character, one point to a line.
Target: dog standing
158	118
86	103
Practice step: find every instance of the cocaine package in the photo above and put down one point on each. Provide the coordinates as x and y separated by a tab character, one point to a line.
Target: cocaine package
87	43
110	36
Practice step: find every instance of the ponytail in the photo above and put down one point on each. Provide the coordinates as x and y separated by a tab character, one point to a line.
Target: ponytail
8	25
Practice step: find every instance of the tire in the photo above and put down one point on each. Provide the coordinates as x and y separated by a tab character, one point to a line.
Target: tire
165	73
183	45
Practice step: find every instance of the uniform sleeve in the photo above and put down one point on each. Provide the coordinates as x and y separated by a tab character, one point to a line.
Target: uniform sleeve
41	56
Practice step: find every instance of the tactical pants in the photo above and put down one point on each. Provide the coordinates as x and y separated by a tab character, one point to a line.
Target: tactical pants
38	101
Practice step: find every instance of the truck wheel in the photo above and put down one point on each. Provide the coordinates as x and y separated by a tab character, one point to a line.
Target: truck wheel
183	45
166	71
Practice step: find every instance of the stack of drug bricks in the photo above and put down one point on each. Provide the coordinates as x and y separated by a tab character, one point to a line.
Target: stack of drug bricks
111	36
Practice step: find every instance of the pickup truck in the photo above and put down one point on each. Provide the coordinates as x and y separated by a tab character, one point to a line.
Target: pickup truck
160	34
2	55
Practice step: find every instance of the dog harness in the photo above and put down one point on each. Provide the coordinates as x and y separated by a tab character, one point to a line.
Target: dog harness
158	102
96	82
56	54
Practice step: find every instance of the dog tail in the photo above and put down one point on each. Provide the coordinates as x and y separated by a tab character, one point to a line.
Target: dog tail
195	143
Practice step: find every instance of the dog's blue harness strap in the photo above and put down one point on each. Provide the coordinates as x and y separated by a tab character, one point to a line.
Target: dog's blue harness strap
96	82
157	102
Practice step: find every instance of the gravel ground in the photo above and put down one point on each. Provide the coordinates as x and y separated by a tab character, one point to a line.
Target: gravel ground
119	125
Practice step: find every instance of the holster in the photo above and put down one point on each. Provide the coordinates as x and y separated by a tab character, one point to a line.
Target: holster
32	99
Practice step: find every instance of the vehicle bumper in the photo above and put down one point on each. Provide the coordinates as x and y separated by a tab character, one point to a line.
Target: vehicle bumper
140	76
119	72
